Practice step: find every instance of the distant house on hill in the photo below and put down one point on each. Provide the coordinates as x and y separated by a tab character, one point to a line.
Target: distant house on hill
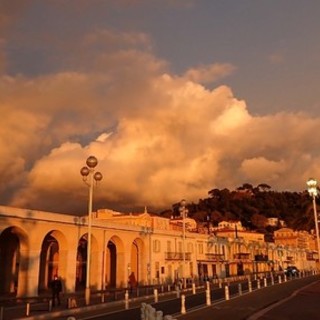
232	224
275	222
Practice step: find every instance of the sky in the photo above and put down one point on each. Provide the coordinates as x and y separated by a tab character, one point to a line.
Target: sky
173	97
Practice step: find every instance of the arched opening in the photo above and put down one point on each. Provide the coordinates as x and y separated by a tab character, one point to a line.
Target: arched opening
49	261
135	260
138	260
81	266
111	265
9	261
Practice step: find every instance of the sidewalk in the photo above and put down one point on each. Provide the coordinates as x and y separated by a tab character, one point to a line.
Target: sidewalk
18	312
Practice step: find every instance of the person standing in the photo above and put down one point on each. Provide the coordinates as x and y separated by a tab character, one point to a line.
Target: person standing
56	288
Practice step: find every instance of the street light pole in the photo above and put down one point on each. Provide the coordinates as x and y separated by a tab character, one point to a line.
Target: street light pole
313	192
183	211
88	173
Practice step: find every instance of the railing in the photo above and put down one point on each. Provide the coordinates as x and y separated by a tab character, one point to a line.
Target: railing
215	257
177	256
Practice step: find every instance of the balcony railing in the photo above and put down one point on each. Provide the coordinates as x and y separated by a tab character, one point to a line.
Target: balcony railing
241	256
215	257
261	257
177	256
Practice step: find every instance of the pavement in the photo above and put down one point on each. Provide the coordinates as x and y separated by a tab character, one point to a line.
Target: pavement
239	307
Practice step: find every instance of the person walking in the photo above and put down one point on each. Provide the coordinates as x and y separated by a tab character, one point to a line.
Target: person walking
132	282
56	288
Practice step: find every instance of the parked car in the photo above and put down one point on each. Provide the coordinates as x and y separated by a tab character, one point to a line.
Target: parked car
291	271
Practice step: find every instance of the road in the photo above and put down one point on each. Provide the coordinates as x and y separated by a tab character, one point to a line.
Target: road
239	307
296	299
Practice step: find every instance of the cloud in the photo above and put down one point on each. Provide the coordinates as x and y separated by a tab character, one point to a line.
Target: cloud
209	73
158	137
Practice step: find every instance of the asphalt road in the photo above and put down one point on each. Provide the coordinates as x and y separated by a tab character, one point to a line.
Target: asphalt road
300	300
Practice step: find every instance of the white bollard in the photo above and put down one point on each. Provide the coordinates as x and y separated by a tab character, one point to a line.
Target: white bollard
272	280
240	289
220	283
285	278
155	292
208	297
183	304
265	282
49	306
193	288
126	300
28	309
208	285
226	293
258	283
279	279
178	291
249	285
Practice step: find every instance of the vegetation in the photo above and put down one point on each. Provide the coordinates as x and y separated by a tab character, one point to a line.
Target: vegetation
252	206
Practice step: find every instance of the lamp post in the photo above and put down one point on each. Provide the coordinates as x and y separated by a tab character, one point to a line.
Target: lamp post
313	192
89	176
183	212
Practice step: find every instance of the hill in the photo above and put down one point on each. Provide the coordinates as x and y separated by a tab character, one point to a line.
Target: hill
252	206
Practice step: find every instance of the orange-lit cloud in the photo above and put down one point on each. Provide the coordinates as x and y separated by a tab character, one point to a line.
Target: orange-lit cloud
210	73
158	137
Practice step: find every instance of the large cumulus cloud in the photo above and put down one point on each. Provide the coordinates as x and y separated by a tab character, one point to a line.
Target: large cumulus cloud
158	136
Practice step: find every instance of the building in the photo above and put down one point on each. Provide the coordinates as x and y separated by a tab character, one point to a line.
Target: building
36	245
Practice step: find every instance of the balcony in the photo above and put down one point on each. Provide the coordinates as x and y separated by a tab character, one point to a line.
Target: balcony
177	256
216	257
261	257
242	256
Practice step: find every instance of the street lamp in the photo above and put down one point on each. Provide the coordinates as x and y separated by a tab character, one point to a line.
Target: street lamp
183	212
89	176
313	192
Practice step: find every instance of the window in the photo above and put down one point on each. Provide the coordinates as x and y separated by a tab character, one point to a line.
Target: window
156	246
180	246
200	248
190	247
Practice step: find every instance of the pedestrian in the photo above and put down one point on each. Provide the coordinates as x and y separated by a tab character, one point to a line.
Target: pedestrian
56	288
132	281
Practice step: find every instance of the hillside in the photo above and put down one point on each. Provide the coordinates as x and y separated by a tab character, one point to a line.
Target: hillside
252	206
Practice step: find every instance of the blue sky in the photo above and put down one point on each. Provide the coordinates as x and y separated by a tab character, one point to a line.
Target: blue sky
188	94
273	44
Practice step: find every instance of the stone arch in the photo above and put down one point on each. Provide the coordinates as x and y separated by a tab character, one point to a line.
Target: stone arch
14	247
81	263
115	268
137	264
52	258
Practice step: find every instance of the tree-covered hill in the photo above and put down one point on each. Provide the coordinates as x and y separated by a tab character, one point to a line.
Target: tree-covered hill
252	206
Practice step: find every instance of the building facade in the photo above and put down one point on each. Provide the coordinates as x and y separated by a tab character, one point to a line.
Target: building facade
36	245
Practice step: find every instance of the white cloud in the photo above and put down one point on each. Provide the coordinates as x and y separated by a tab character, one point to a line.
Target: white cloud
172	138
209	73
